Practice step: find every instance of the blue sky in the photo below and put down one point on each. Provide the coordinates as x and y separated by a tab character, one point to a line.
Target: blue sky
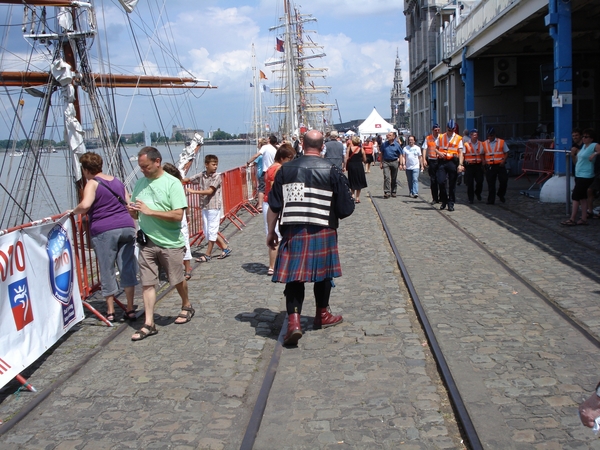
213	41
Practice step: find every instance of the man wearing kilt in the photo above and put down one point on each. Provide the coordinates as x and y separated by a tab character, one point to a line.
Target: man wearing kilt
308	197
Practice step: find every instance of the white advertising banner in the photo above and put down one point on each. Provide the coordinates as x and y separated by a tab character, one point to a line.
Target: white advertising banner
39	293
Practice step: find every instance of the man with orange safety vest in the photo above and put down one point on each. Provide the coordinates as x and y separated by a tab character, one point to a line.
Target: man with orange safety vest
449	149
472	159
430	162
496	153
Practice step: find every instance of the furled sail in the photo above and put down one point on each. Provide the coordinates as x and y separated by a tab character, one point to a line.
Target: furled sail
128	5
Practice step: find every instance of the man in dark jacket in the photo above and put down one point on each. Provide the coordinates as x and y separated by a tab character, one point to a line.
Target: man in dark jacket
308	197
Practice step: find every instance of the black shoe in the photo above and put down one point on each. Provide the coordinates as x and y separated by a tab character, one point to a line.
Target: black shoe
502	199
443	206
394	195
471	202
489	203
451	207
478	197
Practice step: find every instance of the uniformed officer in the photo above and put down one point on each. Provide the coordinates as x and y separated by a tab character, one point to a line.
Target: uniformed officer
496	153
472	159
430	162
449	148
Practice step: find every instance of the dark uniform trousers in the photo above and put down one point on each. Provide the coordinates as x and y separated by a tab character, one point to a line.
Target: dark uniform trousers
474	180
493	172
432	167
447	170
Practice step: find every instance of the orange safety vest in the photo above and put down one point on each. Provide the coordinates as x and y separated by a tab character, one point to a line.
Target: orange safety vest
451	148
431	147
473	153
495	155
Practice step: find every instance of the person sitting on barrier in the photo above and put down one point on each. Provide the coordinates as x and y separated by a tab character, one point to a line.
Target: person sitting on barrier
112	230
584	177
285	153
187	267
308	197
210	190
589	410
267	151
496	153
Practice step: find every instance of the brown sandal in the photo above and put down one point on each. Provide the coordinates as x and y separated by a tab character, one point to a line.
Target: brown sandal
141	334
187	315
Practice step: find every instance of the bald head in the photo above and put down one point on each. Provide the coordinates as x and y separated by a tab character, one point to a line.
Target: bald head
313	141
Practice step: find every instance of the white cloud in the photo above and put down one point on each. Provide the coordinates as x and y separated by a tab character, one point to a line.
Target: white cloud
213	41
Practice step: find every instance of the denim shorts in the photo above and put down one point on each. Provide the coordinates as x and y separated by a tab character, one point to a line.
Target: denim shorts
116	246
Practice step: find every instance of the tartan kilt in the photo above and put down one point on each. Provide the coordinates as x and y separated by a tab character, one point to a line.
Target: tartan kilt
307	253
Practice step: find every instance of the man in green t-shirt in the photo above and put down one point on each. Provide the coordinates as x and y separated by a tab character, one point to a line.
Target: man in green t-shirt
158	202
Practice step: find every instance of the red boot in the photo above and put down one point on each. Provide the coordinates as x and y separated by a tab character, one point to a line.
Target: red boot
324	318
294	331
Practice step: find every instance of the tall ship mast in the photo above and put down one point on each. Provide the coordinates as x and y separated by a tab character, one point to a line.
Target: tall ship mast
301	95
59	84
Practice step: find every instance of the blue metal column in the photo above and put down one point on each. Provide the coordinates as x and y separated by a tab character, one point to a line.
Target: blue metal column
559	22
467	73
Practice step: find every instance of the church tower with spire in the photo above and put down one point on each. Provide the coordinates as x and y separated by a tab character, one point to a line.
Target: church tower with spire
398	99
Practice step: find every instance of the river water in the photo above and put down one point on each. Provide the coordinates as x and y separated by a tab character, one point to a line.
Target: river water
57	187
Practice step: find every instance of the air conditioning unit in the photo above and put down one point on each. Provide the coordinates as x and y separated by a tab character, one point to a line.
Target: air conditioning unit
505	72
583	81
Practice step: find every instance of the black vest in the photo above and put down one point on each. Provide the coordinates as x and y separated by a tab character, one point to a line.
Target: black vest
308	194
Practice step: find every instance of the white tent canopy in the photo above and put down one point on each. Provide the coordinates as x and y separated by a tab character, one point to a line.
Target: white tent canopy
375	124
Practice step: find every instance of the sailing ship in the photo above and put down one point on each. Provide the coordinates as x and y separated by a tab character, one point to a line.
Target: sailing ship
64	68
301	103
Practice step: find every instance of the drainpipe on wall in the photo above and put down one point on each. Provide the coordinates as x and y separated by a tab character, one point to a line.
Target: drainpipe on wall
467	74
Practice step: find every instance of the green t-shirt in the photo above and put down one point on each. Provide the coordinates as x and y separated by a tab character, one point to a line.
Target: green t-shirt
163	194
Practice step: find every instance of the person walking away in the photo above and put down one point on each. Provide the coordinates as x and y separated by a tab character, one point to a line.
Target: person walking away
334	150
496	153
368	149
412	162
187	258
584	176
472	161
449	148
284	154
112	230
355	159
430	162
390	159
158	202
309	196
297	145
211	201
267	151
375	150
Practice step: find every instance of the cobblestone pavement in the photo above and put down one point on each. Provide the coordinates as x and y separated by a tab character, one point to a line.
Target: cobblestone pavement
368	383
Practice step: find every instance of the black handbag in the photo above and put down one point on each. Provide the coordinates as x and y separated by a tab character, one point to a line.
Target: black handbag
141	238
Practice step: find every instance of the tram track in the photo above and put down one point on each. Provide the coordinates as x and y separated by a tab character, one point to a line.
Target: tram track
468	429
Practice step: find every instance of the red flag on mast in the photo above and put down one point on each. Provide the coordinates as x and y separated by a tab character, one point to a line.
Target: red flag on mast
262	75
279	46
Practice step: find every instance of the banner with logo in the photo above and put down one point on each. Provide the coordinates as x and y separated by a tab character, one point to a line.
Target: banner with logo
39	293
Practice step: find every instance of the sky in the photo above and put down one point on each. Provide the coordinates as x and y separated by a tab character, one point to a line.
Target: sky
213	41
